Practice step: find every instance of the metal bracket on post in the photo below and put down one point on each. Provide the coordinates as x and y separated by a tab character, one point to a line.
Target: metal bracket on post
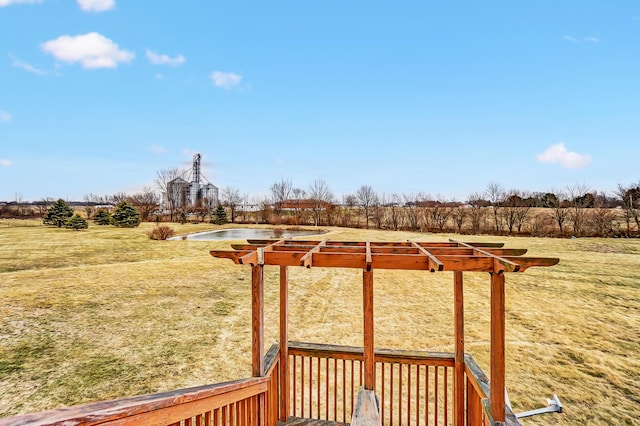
553	406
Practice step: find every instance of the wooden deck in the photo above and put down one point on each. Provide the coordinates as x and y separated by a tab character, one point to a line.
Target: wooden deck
297	421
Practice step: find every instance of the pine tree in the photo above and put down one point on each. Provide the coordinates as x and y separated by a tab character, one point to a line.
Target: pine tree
220	216
125	216
76	222
58	214
102	217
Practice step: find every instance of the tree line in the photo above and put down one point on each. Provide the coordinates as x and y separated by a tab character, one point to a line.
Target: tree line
572	211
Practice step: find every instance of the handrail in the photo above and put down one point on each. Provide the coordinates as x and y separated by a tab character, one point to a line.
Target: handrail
159	408
444	359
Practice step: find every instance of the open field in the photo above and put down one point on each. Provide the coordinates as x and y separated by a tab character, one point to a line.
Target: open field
108	313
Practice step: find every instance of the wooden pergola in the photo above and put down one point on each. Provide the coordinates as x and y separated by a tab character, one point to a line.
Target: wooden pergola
455	256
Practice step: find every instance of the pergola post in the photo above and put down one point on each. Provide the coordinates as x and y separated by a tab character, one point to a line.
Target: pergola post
257	320
497	382
284	343
369	356
458	383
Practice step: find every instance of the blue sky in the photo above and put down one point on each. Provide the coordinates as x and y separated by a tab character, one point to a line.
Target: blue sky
96	96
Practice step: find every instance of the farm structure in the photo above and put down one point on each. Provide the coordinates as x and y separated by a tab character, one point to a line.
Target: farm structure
185	193
298	383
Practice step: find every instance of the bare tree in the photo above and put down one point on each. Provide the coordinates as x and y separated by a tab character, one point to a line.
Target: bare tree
579	199
321	197
169	201
412	208
459	216
394	218
231	199
367	199
146	201
630	198
515	210
476	211
281	191
439	215
601	219
495	193
90	202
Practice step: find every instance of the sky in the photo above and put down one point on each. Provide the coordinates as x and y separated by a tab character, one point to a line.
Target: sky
443	98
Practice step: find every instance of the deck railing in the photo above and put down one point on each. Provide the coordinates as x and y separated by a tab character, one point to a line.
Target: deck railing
415	388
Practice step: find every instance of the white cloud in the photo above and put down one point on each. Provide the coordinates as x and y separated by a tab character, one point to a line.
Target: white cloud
158	59
571	39
226	80
4	3
93	50
158	149
5	116
591	39
25	66
96	5
558	153
5	163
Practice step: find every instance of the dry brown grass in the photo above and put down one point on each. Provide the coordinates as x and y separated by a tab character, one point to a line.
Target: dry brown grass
108	313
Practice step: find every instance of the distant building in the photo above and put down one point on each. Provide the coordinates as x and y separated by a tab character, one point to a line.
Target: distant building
182	193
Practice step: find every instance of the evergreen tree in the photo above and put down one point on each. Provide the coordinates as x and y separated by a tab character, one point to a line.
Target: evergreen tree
220	216
76	222
102	217
58	214
125	216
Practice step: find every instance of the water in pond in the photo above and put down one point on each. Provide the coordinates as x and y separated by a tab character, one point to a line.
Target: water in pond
248	234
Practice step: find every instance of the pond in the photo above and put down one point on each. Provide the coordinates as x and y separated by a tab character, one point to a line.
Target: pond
248	234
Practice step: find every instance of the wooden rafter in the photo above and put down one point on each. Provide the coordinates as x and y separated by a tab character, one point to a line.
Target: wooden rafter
407	255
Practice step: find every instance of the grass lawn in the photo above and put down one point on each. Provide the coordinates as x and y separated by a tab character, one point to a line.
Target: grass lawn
107	313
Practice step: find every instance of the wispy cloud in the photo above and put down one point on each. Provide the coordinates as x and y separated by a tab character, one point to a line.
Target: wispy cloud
588	39
4	3
5	116
558	153
158	149
225	80
96	5
160	59
92	50
16	62
5	163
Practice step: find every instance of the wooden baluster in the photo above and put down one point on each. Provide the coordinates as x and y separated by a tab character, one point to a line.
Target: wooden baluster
326	389
335	389
295	385
310	387
344	392
446	395
383	383
318	388
353	377
435	398
400	393
409	395
418	395
302	386
391	394
426	394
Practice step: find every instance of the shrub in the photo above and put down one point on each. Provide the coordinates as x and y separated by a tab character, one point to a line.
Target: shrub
58	214
76	222
125	216
161	233
102	217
